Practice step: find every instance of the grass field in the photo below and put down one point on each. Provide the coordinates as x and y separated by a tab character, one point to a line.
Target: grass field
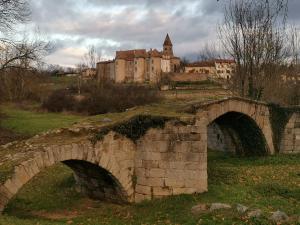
28	122
269	184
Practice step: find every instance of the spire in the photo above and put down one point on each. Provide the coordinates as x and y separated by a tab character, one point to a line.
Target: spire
168	41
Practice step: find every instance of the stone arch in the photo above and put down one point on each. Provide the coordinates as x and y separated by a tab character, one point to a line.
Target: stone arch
114	154
256	112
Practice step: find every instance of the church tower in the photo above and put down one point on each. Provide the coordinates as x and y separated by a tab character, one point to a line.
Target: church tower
168	47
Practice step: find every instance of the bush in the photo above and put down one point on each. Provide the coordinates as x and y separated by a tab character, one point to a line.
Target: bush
59	101
100	100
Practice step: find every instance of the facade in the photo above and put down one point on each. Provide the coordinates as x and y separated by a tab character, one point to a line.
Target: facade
139	65
217	68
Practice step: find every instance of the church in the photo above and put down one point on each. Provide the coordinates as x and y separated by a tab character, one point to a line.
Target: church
140	65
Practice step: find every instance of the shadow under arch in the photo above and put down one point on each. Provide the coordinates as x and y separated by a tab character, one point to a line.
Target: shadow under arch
96	182
237	132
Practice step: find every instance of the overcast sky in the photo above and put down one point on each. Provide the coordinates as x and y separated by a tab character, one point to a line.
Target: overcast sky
113	25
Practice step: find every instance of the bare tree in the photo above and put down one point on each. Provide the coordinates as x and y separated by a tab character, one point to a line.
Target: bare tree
91	57
13	12
253	33
210	52
17	58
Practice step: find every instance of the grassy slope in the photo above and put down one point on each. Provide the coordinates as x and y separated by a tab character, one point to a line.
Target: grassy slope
30	123
267	183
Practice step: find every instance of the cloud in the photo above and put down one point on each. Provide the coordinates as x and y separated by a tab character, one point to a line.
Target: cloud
114	24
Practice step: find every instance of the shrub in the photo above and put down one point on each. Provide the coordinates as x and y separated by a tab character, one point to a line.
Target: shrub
100	100
116	98
58	101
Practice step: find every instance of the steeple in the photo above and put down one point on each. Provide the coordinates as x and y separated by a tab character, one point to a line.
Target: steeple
168	41
168	47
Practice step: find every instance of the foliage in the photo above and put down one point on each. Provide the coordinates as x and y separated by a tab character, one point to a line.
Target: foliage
58	101
100	100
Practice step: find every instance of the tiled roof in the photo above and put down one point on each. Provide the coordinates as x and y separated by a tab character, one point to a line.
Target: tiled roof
154	53
202	64
210	63
106	62
129	55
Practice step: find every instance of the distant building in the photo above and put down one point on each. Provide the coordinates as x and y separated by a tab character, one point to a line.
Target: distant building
140	66
217	68
89	73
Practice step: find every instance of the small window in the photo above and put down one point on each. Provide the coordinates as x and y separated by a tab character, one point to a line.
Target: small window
152	61
152	68
135	62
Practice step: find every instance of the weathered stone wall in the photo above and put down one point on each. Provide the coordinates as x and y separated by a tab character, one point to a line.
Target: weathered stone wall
290	143
219	139
171	161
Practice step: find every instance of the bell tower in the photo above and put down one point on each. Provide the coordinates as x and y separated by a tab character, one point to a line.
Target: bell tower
168	47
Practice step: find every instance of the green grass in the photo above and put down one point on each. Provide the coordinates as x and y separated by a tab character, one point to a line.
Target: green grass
268	183
30	123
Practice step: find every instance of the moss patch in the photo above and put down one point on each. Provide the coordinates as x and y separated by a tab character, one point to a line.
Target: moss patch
134	128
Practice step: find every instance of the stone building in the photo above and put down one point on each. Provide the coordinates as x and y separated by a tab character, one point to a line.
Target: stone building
139	65
217	68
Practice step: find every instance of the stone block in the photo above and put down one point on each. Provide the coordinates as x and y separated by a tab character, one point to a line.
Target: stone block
155	173
145	190
104	161
174	182
141	197
155	156
177	165
11	186
148	164
39	160
162	191
22	174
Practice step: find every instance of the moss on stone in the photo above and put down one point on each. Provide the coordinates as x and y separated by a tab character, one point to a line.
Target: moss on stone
134	128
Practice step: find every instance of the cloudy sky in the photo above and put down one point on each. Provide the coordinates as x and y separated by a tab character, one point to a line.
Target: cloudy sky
112	25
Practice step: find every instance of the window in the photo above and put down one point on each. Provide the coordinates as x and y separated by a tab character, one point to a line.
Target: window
152	69
135	62
152	61
135	69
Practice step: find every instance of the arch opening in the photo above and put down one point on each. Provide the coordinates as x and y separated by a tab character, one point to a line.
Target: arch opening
236	133
87	178
96	182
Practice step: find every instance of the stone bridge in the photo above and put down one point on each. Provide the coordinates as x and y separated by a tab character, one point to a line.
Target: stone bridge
164	161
